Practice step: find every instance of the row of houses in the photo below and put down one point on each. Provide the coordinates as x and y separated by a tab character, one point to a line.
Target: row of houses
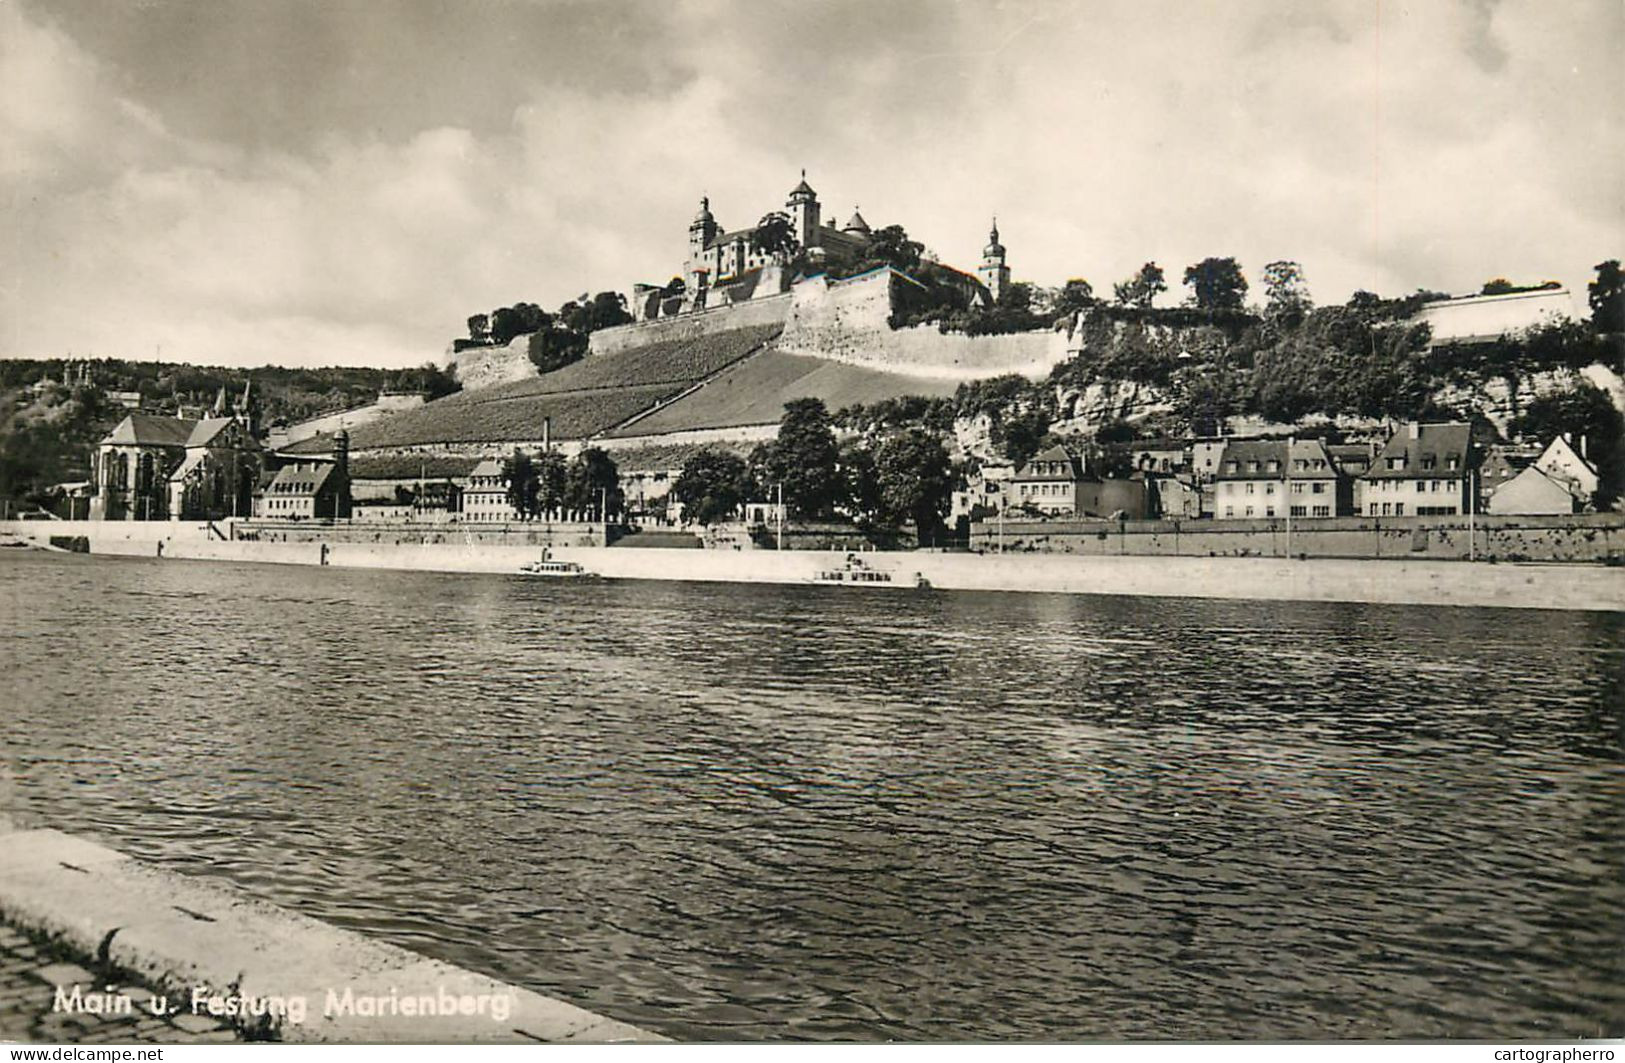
1419	470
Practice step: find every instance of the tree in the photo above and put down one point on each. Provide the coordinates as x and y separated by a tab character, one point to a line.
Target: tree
1075	295
550	482
890	247
712	485
804	458
860	483
1142	289
593	484
1498	286
1286	294
521	476
916	480
1216	284
1607	297
775	235
479	327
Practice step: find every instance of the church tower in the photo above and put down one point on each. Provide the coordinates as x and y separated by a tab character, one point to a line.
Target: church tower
994	273
804	211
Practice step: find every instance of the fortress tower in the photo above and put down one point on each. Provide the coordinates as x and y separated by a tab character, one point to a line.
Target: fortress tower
803	209
993	272
702	232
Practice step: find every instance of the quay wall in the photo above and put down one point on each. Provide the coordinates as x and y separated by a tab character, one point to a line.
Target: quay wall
1582	537
178	933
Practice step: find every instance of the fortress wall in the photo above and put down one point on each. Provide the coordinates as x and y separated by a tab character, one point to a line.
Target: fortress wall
486	367
770	310
848	321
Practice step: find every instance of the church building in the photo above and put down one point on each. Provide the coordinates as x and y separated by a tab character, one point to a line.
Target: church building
176	468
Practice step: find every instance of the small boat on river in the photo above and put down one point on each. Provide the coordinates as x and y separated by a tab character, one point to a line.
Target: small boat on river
548	567
856	572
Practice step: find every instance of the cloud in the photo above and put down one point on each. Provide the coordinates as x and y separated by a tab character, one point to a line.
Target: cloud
347	182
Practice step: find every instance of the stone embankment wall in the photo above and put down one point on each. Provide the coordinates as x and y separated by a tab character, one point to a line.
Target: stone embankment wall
770	310
486	367
519	533
1588	537
181	934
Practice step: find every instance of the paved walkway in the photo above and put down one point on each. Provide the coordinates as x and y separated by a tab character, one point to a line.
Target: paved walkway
29	977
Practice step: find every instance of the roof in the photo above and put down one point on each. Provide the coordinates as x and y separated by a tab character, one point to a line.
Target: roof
1247	451
150	430
1438	442
205	430
1055	455
194	460
856	224
488	467
302	479
1312	452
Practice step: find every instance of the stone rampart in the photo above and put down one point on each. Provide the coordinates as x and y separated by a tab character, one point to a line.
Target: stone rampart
486	367
770	310
850	321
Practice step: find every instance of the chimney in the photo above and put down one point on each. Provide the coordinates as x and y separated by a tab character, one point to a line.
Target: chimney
1414	429
1582	446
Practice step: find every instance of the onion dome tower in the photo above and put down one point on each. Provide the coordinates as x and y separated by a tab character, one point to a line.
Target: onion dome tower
994	273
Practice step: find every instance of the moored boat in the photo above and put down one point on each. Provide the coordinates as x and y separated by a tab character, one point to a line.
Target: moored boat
855	572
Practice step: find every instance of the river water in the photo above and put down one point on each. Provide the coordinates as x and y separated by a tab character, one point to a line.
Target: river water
745	812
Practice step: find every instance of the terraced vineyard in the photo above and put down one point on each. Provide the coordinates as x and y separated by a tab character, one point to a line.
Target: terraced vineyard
754	392
581	400
664	362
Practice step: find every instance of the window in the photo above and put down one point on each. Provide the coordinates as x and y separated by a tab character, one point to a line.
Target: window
1421	486
1323	511
1399	509
1269	511
1299	511
1373	512
1229	511
1249	511
1396	464
1297	489
1451	463
1320	488
1386	508
1435	486
1269	489
1252	466
1230	466
1249	488
1429	461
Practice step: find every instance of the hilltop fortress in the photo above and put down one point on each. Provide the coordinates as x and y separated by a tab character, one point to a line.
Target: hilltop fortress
728	283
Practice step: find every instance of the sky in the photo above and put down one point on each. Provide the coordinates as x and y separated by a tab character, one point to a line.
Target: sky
319	182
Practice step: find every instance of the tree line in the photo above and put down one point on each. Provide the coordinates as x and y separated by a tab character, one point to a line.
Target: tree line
556	339
548	486
880	478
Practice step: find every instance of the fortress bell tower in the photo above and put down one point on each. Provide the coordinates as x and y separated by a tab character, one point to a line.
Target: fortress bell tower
804	212
994	273
701	232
